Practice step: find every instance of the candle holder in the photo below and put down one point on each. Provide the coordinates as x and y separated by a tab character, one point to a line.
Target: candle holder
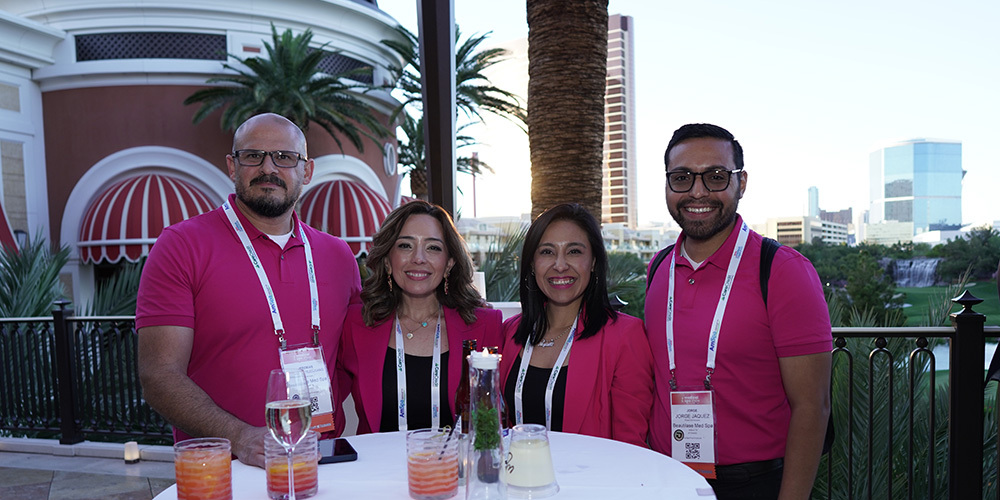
131	452
486	453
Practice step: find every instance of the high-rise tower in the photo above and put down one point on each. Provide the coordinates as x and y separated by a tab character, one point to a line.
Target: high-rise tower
813	201
918	181
618	200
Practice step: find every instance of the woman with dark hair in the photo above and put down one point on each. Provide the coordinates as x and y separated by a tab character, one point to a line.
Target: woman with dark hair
570	361
418	306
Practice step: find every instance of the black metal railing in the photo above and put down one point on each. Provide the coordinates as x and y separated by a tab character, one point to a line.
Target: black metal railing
75	377
902	430
28	393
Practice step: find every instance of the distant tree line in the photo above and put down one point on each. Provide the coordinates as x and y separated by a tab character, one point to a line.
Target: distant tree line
861	292
977	254
858	288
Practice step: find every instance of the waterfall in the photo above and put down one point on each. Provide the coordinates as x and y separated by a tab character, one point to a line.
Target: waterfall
914	272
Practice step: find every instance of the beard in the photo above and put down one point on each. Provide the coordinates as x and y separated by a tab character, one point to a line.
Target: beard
265	205
725	215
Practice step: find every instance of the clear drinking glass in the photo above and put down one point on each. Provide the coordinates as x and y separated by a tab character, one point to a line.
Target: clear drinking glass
528	467
288	413
432	464
203	469
305	467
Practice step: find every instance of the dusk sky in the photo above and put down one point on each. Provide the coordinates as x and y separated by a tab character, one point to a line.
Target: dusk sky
809	89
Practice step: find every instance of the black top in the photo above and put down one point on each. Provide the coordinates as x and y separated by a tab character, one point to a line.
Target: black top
533	395
418	392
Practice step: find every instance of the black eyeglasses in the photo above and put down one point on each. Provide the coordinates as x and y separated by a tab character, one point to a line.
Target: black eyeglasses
255	157
681	181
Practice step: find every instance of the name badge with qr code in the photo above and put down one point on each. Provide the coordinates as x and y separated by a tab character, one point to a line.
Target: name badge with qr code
310	360
692	423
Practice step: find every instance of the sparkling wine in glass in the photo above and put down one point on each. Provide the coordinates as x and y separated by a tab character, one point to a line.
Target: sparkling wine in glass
288	413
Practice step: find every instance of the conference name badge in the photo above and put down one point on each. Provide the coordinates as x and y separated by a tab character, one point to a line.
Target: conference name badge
692	426
310	360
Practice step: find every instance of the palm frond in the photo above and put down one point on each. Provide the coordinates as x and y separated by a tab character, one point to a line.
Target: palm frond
502	267
290	82
474	93
626	279
940	305
116	296
412	151
29	278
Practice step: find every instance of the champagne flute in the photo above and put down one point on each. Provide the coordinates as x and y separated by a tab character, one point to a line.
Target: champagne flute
288	413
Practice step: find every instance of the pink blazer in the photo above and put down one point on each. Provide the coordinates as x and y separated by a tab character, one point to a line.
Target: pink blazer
362	355
609	386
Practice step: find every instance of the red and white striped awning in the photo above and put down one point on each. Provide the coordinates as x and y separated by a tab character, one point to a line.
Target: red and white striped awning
126	219
349	210
403	200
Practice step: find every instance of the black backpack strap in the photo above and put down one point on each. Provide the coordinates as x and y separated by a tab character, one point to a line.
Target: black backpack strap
657	260
768	248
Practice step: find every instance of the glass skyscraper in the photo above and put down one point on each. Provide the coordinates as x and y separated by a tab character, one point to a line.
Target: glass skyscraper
918	181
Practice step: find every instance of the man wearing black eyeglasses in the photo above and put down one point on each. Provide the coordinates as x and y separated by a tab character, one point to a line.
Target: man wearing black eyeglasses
229	295
743	377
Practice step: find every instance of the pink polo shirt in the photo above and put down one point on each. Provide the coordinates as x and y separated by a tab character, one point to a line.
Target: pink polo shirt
752	412
199	276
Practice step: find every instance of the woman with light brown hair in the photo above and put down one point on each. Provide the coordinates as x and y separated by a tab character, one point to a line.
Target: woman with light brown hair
418	305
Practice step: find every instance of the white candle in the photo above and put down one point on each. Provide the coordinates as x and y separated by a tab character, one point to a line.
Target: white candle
530	464
131	452
484	360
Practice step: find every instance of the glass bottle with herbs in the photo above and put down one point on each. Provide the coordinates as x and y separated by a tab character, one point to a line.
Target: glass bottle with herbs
486	453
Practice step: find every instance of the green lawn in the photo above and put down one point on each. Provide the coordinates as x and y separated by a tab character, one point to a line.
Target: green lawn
919	298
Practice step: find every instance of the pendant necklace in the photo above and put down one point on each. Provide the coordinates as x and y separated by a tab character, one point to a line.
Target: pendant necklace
552	342
423	324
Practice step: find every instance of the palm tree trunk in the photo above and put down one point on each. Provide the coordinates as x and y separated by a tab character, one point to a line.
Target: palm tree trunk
418	183
567	66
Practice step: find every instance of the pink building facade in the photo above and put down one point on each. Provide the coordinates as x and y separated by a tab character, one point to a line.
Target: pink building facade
98	150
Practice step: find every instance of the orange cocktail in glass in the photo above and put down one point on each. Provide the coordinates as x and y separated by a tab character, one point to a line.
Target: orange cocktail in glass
306	473
305	463
203	469
431	464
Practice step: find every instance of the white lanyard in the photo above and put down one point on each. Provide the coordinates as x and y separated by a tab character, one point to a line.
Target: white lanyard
266	284
550	387
720	309
435	377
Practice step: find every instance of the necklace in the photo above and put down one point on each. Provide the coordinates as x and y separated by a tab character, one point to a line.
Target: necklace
552	342
423	324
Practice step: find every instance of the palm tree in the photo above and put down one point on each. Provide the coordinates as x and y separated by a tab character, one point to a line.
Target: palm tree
29	283
474	94
116	296
290	83
567	67
412	154
29	279
502	267
627	282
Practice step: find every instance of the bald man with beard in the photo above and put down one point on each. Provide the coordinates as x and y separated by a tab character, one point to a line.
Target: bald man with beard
209	329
